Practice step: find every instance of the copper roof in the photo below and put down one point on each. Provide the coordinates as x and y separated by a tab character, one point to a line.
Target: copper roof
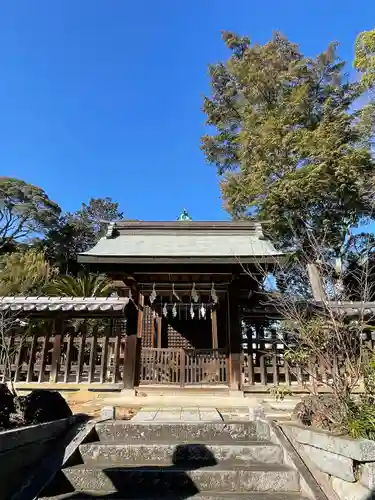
230	241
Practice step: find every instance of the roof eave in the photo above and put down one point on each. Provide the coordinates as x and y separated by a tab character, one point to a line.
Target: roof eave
87	258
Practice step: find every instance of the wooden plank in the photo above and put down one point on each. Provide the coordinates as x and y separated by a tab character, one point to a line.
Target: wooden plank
116	362
92	362
104	360
19	350
250	367
274	366
56	352
141	302
69	351
44	355
215	344
30	366
158	331
153	328
81	353
182	359
263	372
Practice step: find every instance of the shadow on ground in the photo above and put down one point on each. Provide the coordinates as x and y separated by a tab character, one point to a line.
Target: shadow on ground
146	481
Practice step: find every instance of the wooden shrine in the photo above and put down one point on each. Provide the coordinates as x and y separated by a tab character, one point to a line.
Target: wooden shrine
185	282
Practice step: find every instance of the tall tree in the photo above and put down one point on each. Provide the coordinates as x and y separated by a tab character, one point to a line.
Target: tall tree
24	272
364	60
79	231
288	146
24	211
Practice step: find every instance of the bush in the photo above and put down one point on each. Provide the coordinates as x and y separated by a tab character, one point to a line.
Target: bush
42	406
6	405
321	411
354	416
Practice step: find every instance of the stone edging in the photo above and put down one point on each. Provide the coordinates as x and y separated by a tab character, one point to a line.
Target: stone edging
309	484
341	464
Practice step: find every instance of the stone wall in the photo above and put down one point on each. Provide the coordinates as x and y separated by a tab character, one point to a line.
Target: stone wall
22	448
344	467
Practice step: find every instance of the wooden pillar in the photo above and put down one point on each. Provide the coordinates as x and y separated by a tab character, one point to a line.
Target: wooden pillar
115	325
133	345
138	352
215	343
235	334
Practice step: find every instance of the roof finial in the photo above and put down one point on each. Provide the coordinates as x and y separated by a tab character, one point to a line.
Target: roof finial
184	215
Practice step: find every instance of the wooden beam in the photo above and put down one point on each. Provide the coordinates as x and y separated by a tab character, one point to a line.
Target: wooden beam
214	329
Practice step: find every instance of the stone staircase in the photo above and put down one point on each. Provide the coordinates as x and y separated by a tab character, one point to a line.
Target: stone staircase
224	461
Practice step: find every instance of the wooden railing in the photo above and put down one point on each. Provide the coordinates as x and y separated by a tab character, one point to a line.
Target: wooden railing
267	367
94	358
184	367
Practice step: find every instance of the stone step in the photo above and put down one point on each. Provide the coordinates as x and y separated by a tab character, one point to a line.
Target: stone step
104	495
154	480
127	432
177	452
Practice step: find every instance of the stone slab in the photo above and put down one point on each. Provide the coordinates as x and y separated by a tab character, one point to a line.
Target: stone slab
103	495
203	432
168	453
188	416
367	475
168	416
349	491
144	416
108	412
362	450
20	437
331	463
160	480
210	416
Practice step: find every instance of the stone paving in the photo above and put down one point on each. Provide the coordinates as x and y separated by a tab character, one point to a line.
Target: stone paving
179	414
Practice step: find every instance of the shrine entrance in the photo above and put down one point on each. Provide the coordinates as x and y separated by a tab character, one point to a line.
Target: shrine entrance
183	342
184	367
185	282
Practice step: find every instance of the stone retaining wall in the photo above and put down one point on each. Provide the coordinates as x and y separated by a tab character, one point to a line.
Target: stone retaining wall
22	448
343	466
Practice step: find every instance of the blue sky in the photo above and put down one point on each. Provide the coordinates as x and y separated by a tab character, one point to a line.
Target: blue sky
103	97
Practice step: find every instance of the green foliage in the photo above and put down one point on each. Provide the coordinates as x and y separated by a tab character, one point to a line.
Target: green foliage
84	285
279	392
79	231
288	146
361	419
24	273
24	210
364	60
